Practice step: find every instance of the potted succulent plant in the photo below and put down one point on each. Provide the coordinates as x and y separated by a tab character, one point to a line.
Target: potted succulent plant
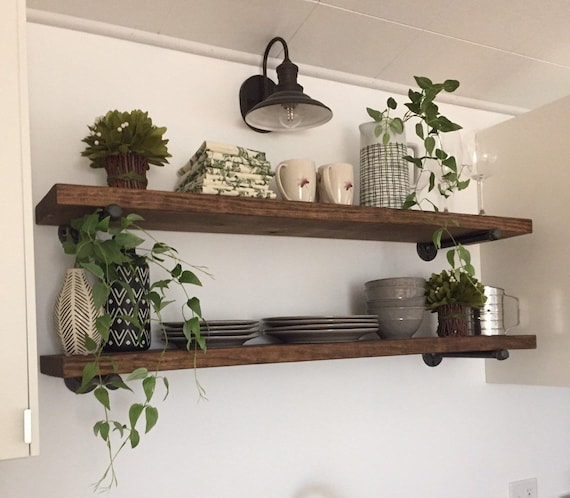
125	144
454	293
102	246
430	124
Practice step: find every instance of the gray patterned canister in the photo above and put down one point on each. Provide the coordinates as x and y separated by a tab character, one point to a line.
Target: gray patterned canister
384	173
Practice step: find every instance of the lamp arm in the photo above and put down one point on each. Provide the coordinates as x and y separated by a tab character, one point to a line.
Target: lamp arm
266	54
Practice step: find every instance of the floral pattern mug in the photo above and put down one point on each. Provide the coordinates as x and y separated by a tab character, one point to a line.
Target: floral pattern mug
296	180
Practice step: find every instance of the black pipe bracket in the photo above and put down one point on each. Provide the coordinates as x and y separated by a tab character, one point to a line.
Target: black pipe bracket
427	251
434	359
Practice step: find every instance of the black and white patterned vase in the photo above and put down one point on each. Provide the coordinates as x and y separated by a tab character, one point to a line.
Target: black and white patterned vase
125	335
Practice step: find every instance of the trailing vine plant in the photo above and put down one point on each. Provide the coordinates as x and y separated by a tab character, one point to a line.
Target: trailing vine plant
99	246
458	285
430	123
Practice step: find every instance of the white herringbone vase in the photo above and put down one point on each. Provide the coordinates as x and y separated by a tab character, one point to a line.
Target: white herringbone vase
75	313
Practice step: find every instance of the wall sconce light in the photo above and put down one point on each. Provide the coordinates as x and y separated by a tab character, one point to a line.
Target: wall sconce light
268	107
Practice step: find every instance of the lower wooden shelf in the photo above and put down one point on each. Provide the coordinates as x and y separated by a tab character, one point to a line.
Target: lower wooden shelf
176	359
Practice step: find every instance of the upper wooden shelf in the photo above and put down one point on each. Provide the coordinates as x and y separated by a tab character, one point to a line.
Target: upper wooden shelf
176	359
185	212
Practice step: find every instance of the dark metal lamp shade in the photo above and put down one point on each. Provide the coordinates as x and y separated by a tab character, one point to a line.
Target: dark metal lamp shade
283	107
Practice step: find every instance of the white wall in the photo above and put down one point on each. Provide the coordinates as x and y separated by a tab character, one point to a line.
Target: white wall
362	428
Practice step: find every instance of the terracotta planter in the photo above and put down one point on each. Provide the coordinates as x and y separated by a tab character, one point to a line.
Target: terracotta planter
452	320
126	171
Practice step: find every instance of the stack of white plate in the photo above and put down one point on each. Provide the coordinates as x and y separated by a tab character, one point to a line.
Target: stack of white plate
321	329
399	304
218	333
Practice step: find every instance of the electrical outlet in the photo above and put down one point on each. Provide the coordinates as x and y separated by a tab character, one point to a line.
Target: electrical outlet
528	488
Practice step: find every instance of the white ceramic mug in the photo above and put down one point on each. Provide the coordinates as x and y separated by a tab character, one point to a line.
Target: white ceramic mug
336	183
296	180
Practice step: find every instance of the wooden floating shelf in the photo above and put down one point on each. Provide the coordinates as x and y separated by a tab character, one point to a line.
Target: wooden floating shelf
173	211
184	212
176	359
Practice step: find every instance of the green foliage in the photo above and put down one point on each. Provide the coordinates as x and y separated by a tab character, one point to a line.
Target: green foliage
120	133
99	246
430	123
449	287
457	285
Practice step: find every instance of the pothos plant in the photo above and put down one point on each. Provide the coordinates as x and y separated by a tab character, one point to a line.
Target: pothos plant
458	284
99	246
430	123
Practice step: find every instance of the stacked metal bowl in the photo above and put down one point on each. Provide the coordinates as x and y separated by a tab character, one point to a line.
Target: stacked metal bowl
399	304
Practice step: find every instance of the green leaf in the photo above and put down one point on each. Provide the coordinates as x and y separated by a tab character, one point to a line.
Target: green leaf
188	277
101	428
149	385
151	415
90	370
166	387
462	185
420	130
118	384
102	395
90	344
429	144
437	238
464	254
374	114
416	161
423	82
431	181
385	138
161	284
391	103
410	201
100	292
176	271
135	412
161	248
450	85
397	126
451	257
445	125
134	438
128	240
137	374
470	270
94	269
103	324
120	428
194	304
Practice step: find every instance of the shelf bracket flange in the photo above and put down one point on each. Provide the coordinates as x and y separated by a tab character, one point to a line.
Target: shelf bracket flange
427	250
434	359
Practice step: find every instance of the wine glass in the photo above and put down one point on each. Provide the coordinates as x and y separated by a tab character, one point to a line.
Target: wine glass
479	161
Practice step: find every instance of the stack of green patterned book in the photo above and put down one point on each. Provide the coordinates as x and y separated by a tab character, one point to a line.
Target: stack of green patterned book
226	170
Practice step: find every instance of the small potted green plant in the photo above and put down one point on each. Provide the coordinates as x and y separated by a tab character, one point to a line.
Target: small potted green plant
454	293
100	246
125	144
430	123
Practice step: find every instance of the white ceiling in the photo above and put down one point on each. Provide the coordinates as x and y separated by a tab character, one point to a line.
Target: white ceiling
508	52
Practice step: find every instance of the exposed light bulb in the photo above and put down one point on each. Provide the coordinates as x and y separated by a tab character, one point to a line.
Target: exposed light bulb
288	117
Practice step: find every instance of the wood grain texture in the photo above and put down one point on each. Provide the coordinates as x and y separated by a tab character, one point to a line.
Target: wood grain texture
176	359
173	211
